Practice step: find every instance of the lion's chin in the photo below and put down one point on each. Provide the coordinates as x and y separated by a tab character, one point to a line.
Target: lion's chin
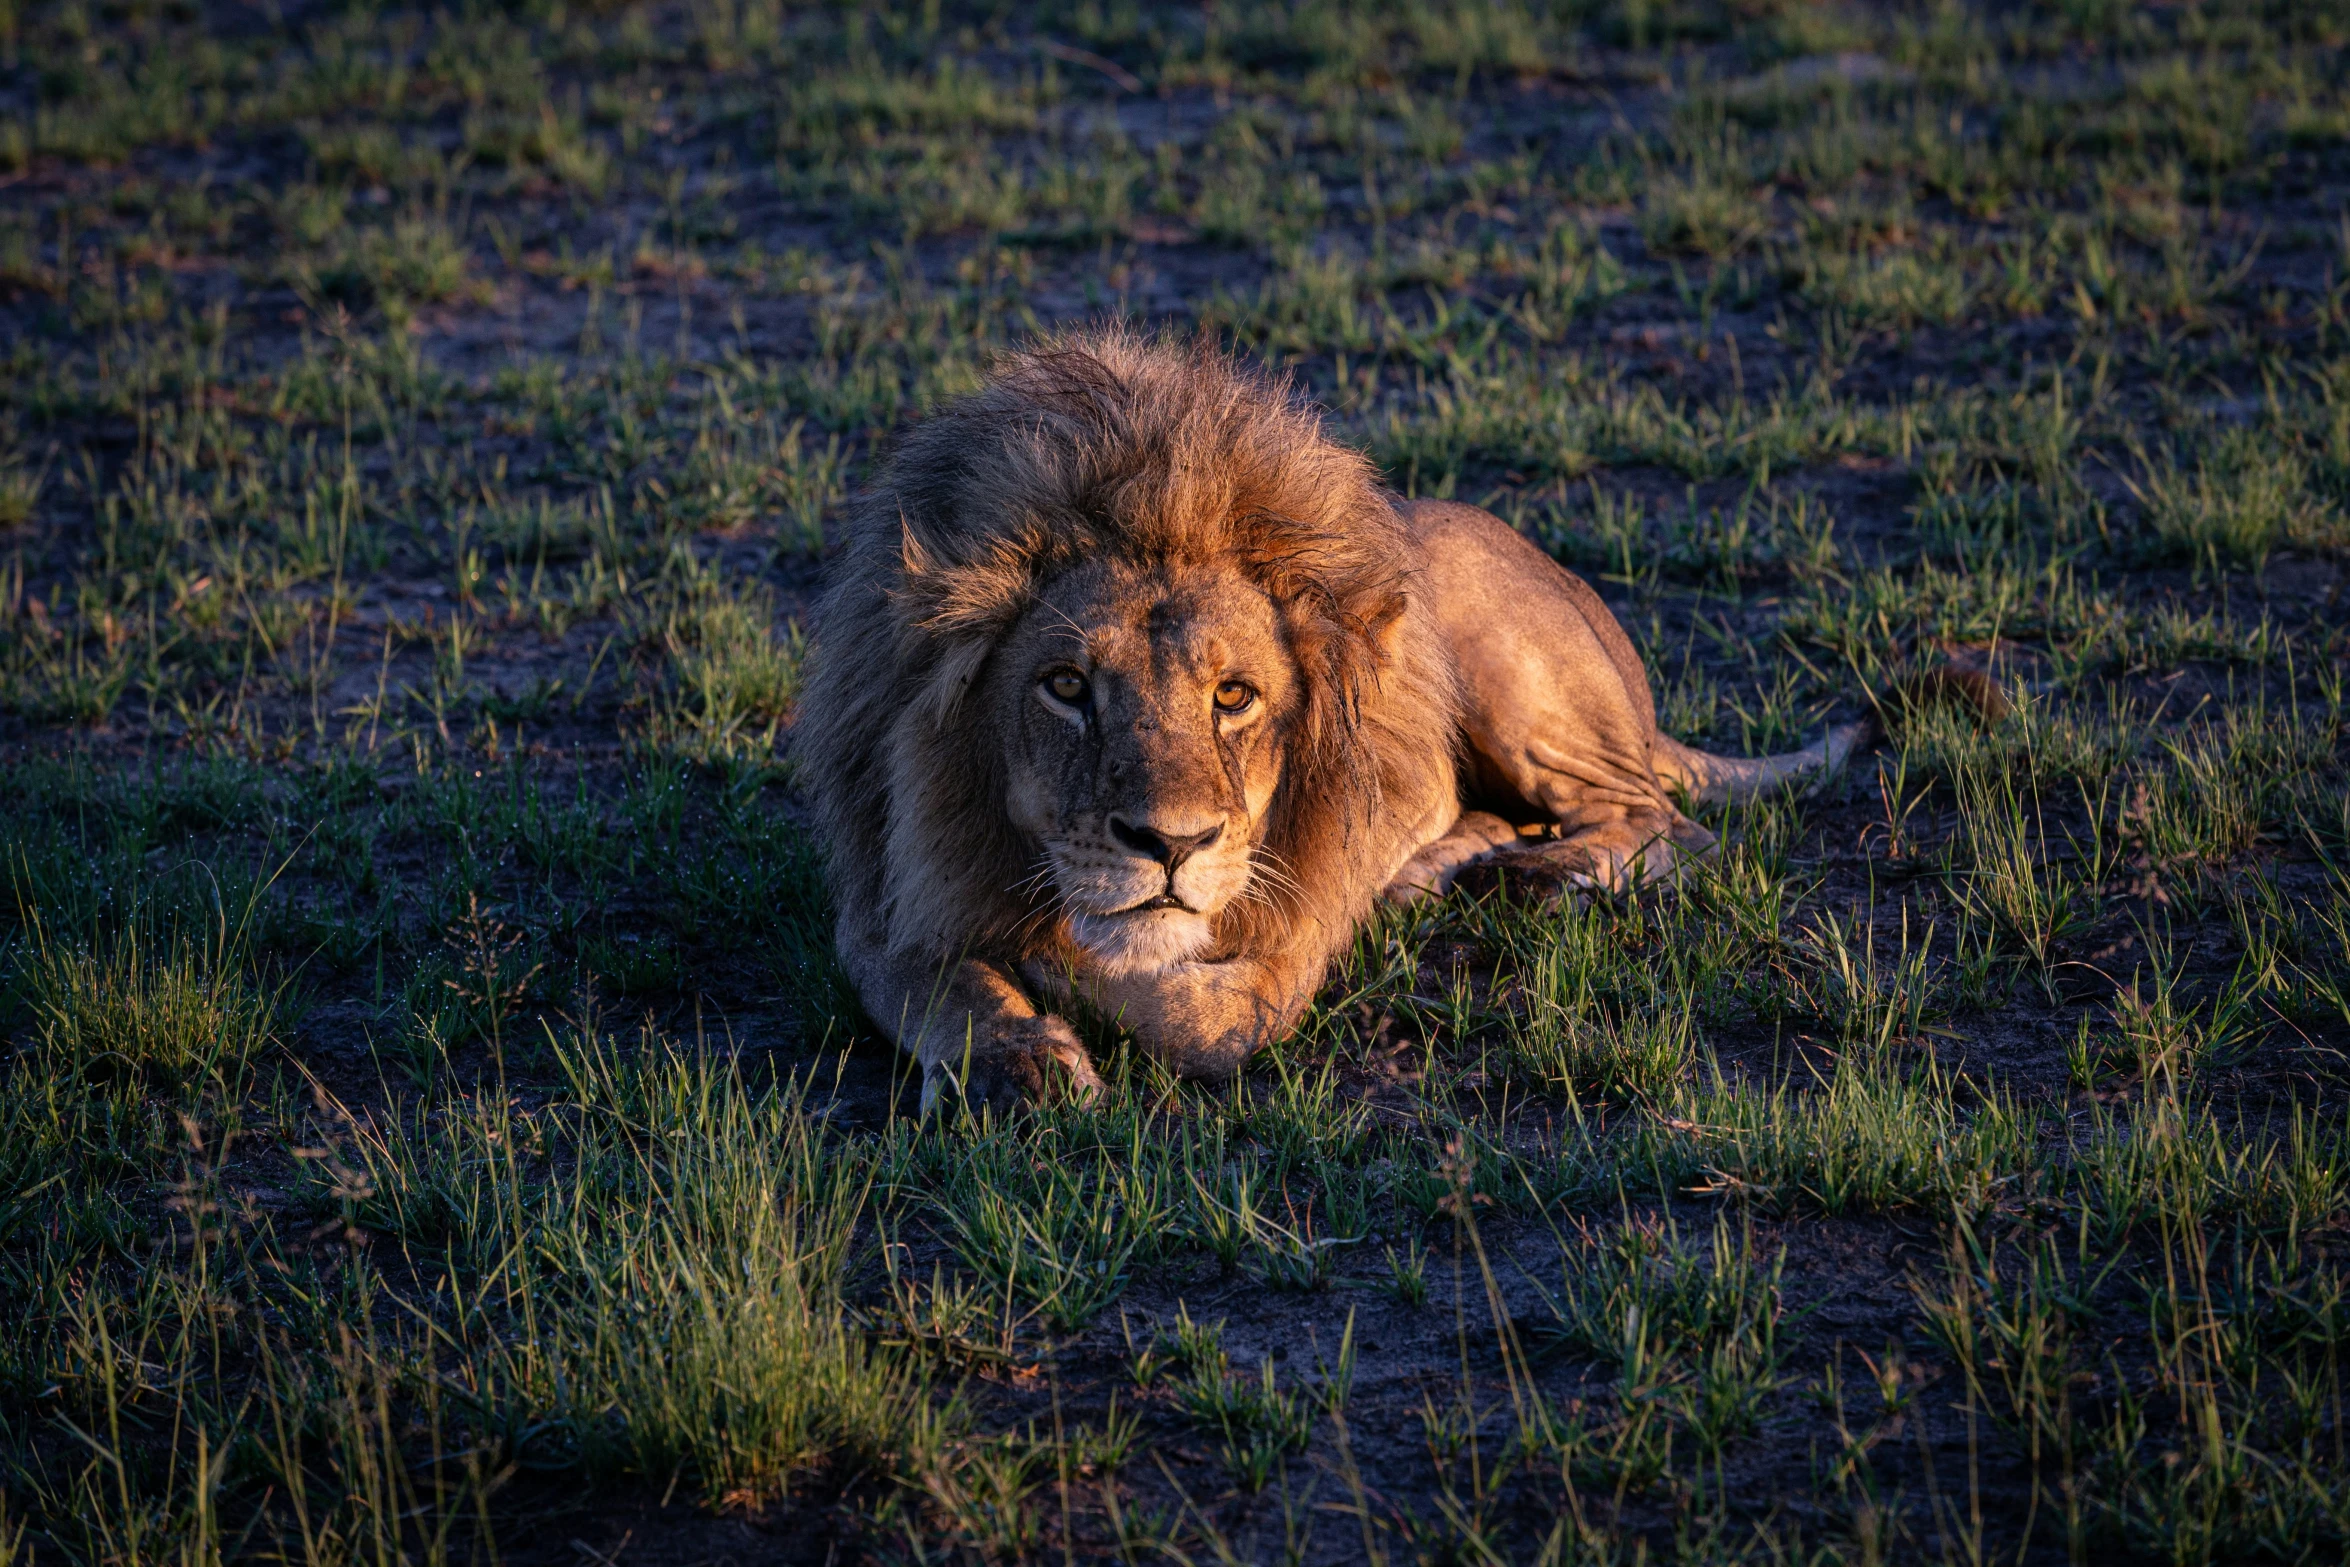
1143	941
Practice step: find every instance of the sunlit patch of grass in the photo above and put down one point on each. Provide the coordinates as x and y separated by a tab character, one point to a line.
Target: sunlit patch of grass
739	470
1689	1330
2245	498
744	1365
807	484
732	677
50	675
1710	212
417	258
1059	1239
2043	739
1869	1004
2161	1160
153	1004
1876	1135
1258	1422
953	96
1904	289
2220	787
683	1311
20	494
548	141
1562	1036
2014	873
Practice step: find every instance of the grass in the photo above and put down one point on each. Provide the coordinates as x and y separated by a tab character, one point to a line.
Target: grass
432	1121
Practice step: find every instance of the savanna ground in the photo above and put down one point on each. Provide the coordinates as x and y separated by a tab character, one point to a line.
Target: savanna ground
432	1128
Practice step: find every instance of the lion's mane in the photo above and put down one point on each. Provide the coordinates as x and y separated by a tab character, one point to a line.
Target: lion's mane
1108	443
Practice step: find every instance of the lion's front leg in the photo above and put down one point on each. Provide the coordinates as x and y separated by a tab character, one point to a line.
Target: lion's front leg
1204	1020
977	1034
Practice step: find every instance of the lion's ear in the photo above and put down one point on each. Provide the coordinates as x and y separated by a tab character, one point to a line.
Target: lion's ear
951	617
1385	610
1365	624
949	679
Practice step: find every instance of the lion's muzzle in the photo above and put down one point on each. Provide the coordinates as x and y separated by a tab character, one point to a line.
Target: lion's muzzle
1142	895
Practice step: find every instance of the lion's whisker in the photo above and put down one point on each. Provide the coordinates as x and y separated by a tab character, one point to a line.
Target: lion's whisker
1270	881
1267	862
1274	883
1038	887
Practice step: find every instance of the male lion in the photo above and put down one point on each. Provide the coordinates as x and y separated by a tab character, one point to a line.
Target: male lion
1132	685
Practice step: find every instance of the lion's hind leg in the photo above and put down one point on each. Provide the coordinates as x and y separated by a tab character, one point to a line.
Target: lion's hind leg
1431	872
1611	857
1558	730
1483	851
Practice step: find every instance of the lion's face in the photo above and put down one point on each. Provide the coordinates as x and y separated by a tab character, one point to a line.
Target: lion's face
1143	712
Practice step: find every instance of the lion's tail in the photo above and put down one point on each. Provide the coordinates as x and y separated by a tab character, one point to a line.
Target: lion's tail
1717	780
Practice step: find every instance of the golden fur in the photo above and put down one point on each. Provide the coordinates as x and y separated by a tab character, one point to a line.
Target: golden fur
1132	686
1178	472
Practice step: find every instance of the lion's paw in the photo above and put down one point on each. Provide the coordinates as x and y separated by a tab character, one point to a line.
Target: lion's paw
1013	1062
1543	872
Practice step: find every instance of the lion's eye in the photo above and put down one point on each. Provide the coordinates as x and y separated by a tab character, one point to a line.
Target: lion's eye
1066	685
1233	697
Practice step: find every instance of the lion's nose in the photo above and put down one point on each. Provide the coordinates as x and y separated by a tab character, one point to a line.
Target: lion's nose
1168	848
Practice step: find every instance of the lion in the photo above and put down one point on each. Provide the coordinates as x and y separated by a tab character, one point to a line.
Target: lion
1135	691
